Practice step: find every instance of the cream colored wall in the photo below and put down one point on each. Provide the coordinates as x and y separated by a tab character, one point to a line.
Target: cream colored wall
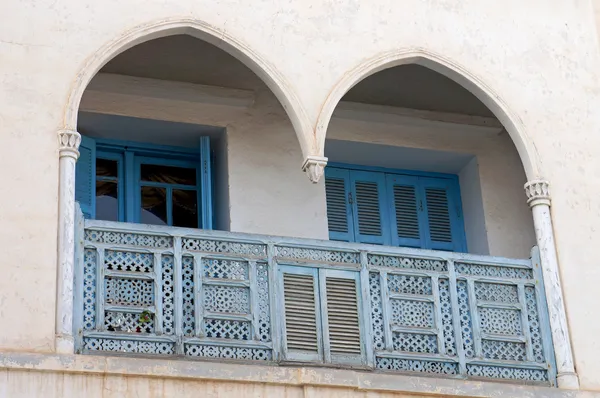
74	376
543	69
267	193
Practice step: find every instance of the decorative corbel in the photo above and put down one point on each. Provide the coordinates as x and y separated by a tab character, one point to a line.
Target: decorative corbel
314	167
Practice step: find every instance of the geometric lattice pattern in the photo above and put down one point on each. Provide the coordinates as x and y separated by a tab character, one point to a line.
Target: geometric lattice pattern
168	295
412	313
225	269
211	296
500	321
446	312
317	255
128	292
417	343
128	261
207	351
89	289
227	299
409	284
130	346
497	372
219	246
496	292
376	312
466	326
497	272
128	239
504	350
128	322
226	329
407	263
264	306
411	365
533	318
189	311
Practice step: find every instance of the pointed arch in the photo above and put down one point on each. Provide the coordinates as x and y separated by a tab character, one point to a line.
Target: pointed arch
206	32
452	70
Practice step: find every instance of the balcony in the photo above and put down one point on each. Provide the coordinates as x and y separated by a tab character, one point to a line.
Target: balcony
207	295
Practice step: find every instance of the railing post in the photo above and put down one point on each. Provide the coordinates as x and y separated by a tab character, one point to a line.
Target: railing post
458	337
538	198
69	141
178	290
78	279
366	308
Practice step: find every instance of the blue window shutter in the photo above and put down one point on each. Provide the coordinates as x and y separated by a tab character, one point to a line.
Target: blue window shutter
370	216
302	333
205	196
85	177
443	220
342	318
407	222
339	212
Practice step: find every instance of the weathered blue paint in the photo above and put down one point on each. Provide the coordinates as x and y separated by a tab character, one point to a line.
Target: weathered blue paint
386	180
437	312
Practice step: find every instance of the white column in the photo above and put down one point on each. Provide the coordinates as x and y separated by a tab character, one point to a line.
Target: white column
68	152
538	198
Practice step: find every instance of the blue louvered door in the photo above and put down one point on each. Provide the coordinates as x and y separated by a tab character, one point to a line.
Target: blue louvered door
339	211
368	198
443	224
394	209
407	221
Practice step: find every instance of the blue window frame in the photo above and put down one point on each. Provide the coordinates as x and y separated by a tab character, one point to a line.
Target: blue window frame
393	207
132	182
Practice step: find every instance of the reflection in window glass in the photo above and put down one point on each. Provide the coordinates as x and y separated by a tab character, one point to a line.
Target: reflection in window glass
168	174
185	208
107	195
107	203
106	168
154	206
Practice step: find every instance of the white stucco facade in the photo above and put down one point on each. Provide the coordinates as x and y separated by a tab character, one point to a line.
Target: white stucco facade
533	64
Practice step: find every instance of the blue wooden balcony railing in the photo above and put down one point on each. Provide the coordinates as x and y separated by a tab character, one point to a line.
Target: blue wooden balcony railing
193	294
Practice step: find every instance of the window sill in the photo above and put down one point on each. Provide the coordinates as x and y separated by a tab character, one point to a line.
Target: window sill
274	375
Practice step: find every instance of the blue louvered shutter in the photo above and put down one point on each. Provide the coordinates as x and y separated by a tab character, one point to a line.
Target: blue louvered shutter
339	212
407	222
444	227
85	177
206	184
371	223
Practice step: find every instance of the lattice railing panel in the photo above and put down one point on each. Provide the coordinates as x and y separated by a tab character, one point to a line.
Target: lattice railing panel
180	292
458	317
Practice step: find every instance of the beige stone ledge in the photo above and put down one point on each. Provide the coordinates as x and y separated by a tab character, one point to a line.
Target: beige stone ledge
272	375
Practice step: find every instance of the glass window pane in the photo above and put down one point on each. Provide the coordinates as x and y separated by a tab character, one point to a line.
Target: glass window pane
185	208
154	206
168	174
107	203
106	168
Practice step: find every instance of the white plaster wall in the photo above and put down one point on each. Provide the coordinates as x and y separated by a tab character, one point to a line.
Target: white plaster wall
474	213
540	61
267	193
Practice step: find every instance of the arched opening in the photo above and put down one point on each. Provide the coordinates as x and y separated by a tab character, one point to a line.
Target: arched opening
173	125
424	163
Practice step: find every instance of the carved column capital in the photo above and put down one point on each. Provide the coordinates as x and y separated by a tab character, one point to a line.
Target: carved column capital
538	193
68	141
314	167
